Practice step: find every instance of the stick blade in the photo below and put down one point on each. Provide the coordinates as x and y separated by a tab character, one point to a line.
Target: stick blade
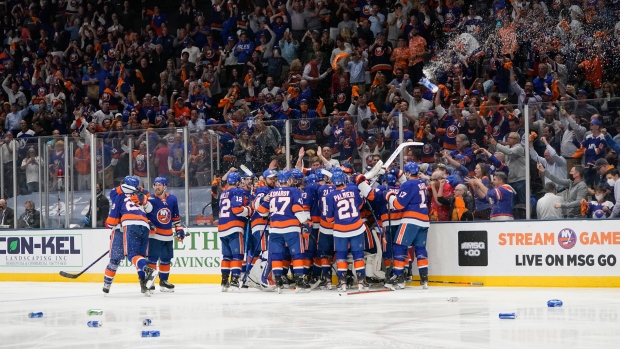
369	291
70	276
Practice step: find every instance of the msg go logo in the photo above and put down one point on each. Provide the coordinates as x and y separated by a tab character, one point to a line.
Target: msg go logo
472	249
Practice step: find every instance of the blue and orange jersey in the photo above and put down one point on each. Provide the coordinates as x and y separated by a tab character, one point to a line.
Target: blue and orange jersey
125	212
325	227
140	164
259	222
284	206
391	217
344	207
502	198
304	126
164	216
411	199
234	211
311	204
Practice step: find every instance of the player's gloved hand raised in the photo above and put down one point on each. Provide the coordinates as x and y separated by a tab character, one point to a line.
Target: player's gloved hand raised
139	199
360	178
396	172
180	235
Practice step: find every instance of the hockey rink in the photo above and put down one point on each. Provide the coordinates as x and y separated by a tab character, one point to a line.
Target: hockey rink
201	316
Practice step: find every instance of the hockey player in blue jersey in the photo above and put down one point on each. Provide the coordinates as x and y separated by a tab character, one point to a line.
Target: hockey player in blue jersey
343	214
128	211
325	248
162	209
259	226
312	263
285	208
413	228
117	249
234	213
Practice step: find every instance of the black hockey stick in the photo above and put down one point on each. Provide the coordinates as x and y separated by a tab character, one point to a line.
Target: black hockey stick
474	283
75	276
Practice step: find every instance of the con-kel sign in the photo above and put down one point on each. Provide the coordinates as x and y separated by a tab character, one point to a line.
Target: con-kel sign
41	245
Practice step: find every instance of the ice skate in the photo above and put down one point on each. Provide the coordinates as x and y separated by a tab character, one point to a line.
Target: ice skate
279	284
362	284
144	288
342	285
302	284
325	283
424	280
234	283
165	286
407	275
225	283
106	287
315	282
149	276
395	283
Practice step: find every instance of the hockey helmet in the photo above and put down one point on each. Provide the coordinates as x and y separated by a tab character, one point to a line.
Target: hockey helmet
284	176
339	178
412	167
233	178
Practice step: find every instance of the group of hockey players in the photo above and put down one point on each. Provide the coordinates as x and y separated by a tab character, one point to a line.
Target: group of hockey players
306	222
143	228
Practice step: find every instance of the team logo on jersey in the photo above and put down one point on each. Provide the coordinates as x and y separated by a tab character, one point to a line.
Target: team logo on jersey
347	143
567	238
111	53
452	131
209	54
379	51
100	31
341	98
159	119
367	10
495	131
428	149
99	162
304	124
73	57
106	97
140	163
164	216
449	17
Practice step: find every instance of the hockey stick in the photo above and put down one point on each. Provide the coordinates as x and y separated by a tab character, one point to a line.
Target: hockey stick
75	276
369	291
374	172
474	283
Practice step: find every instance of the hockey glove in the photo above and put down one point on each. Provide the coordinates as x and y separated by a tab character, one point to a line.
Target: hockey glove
180	235
139	199
360	178
396	172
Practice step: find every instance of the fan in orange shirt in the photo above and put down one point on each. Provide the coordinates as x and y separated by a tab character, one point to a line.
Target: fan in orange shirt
400	55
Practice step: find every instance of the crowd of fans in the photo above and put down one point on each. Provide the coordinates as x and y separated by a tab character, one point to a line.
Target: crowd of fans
345	73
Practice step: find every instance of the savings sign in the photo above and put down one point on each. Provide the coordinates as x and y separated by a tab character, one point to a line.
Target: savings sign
561	245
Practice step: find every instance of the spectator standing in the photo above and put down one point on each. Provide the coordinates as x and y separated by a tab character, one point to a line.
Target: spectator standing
551	161
577	190
545	207
32	166
502	196
515	160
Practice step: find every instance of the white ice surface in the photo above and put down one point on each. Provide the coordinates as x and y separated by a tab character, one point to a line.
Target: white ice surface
200	316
